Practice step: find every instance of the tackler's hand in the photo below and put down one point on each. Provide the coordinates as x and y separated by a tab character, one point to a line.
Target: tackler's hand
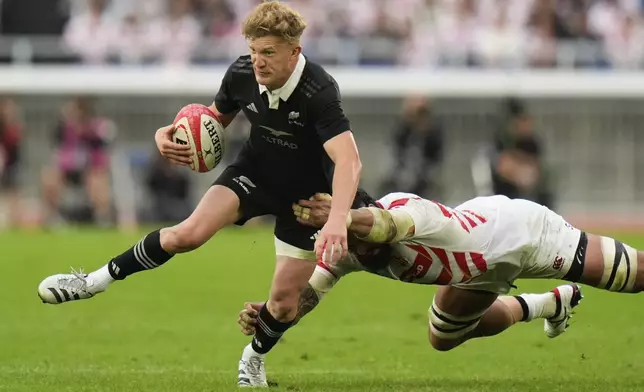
177	153
248	317
315	211
331	243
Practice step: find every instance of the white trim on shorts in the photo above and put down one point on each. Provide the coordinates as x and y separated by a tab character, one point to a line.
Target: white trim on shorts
288	250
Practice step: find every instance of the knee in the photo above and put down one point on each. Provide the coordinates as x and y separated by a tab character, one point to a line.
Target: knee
439	344
446	331
283	304
184	237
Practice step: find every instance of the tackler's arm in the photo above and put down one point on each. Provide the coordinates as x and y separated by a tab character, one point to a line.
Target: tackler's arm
373	224
370	224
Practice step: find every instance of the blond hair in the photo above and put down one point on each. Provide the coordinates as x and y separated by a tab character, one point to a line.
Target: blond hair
273	18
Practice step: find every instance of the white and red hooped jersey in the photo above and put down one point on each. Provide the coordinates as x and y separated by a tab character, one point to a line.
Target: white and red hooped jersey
454	245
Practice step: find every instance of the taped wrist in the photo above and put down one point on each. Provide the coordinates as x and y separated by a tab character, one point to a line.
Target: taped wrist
389	226
322	281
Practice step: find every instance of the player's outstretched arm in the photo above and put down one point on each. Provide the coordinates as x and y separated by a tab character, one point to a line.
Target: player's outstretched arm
343	152
334	131
382	226
369	224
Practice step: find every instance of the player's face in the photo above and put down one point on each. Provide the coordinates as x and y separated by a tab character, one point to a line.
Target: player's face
273	60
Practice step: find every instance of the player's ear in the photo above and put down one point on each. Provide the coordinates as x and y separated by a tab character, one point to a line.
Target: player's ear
297	49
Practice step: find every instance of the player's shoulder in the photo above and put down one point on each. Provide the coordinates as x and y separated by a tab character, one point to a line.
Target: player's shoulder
418	207
240	76
316	80
397	199
243	65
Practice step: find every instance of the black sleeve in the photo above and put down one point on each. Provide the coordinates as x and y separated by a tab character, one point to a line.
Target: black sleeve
327	114
224	99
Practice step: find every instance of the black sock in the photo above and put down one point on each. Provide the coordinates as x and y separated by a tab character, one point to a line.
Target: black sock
268	331
146	254
524	307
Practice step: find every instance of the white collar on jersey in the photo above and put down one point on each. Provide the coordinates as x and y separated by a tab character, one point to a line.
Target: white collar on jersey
287	89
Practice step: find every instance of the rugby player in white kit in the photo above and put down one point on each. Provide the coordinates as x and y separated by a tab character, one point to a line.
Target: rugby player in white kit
475	252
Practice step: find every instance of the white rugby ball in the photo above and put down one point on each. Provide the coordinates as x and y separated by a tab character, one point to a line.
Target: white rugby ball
198	127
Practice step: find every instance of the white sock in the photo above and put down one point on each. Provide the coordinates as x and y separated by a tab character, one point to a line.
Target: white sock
540	305
249	352
101	278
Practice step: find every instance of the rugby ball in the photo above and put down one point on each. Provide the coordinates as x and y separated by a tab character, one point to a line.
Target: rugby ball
198	127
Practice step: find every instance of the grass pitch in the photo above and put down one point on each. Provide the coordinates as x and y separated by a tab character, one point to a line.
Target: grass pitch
174	329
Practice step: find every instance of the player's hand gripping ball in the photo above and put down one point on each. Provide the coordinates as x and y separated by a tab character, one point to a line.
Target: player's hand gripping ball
198	127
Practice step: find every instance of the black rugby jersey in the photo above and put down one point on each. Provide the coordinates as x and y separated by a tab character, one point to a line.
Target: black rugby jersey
285	148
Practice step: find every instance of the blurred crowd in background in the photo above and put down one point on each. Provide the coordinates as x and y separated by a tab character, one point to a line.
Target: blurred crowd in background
419	33
77	183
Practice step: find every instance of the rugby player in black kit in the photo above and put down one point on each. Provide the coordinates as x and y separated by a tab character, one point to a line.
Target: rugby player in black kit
300	144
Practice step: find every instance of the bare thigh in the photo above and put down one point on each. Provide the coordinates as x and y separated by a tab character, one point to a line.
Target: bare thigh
597	264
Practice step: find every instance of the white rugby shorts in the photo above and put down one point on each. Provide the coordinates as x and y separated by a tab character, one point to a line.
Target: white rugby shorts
548	255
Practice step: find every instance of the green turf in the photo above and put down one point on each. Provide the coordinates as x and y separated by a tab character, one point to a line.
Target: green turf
174	329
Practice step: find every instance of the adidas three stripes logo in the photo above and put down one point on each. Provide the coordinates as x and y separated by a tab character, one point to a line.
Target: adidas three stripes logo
142	257
59	294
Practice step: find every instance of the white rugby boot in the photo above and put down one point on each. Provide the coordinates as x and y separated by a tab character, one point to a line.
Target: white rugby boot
567	297
251	369
60	288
